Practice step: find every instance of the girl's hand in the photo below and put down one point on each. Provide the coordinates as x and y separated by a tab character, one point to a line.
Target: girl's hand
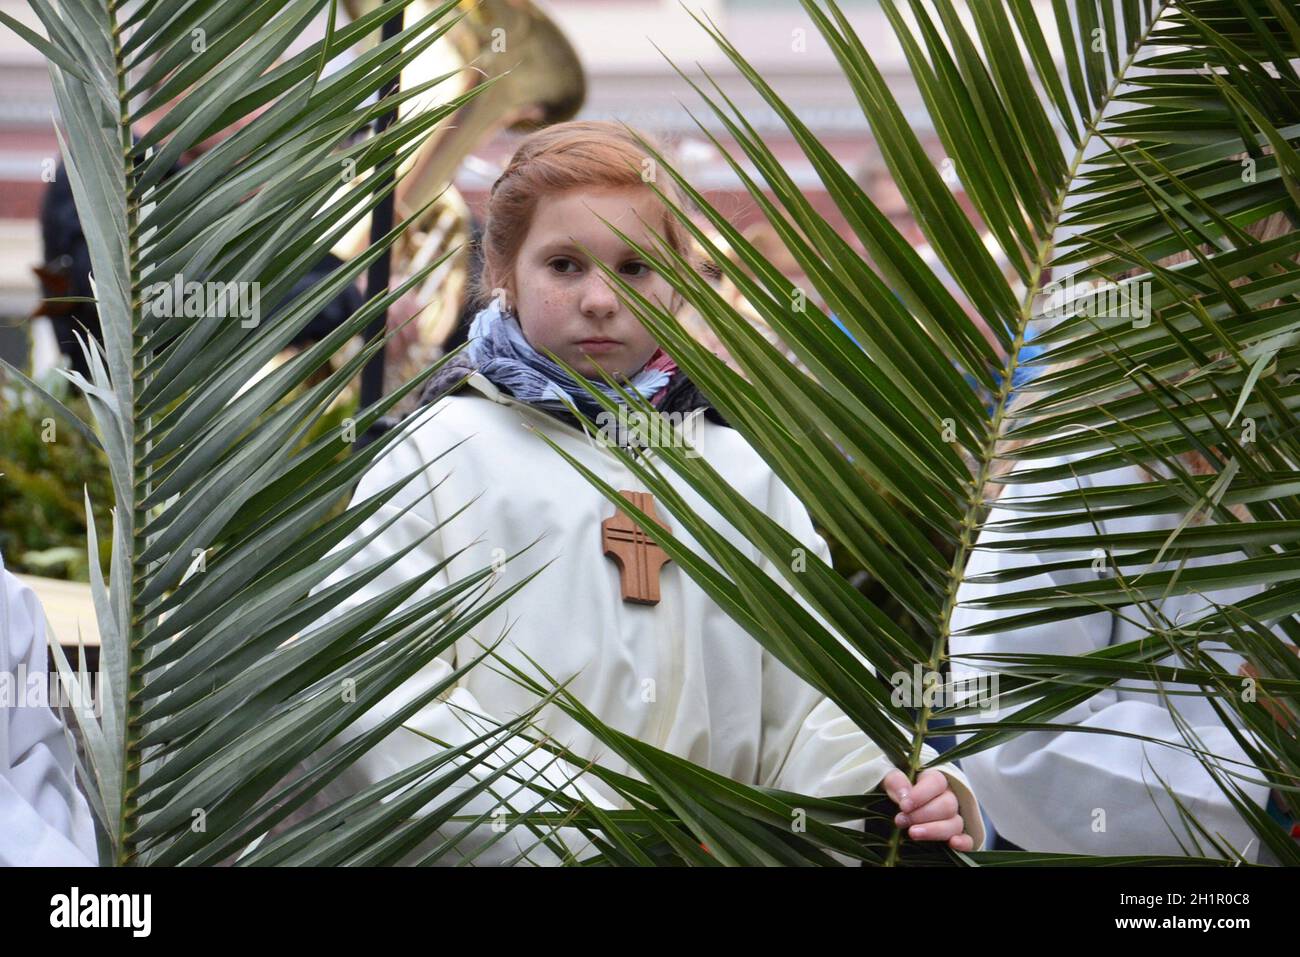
928	808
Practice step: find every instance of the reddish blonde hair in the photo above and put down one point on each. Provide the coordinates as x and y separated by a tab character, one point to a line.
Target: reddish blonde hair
580	153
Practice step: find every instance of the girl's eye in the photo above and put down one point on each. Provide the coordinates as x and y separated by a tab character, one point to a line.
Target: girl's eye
638	265
556	264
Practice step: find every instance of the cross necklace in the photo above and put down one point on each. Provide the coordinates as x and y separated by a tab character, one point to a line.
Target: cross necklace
638	558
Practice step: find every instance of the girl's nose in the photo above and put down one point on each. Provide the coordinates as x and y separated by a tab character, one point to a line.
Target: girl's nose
599	301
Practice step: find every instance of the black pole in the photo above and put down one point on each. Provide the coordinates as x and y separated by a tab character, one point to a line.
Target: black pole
377	277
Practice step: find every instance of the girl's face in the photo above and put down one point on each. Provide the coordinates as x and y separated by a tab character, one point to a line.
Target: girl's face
564	302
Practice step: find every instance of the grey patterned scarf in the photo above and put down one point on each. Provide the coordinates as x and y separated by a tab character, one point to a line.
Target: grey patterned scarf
498	349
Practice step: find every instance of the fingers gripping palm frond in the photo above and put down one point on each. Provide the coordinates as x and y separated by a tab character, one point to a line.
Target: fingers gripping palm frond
219	677
1120	159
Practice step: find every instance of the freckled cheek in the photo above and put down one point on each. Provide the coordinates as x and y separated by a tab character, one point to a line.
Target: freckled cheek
551	310
547	319
548	294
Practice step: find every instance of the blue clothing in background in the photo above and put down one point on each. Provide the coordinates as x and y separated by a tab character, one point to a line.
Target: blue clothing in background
1022	374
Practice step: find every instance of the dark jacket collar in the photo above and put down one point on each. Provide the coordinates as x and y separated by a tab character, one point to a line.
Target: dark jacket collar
683	397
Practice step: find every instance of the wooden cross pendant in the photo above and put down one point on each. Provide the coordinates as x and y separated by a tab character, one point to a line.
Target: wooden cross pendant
638	558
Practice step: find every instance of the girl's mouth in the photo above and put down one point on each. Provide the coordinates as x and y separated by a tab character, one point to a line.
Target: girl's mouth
599	345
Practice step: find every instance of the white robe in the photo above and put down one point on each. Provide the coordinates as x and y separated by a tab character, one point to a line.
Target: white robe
1055	791
44	820
680	675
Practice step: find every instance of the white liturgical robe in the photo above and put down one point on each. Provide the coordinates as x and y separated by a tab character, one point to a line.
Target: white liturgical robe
1092	793
44	820
680	675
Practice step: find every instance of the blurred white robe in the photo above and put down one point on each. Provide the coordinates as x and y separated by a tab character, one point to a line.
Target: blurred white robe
1089	793
44	819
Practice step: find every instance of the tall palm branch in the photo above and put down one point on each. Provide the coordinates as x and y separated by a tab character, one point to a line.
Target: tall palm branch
1142	158
222	681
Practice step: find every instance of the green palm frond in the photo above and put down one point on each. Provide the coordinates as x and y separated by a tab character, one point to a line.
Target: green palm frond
1132	158
221	666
